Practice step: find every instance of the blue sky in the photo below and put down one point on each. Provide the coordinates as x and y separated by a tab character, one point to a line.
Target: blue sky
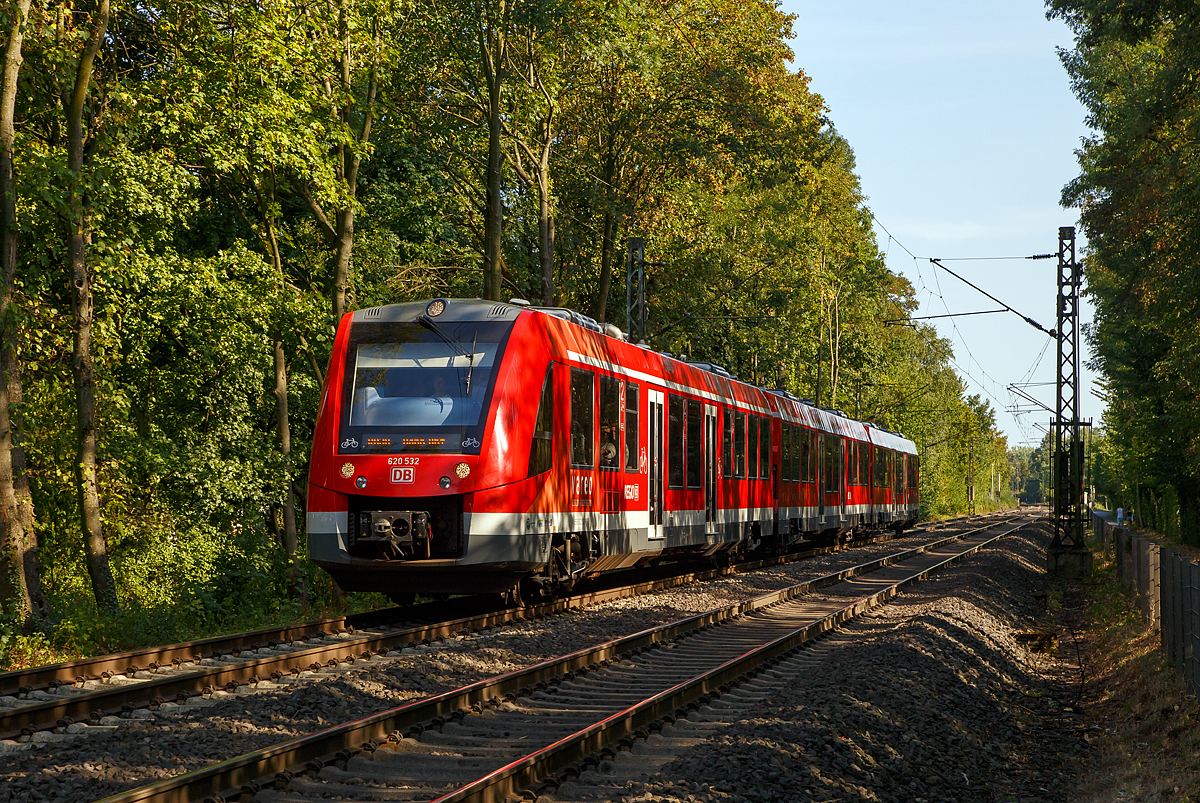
964	129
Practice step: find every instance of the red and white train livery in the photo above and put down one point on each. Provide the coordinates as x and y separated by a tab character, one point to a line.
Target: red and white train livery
466	446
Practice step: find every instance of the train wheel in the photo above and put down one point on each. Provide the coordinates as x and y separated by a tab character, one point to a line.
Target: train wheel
513	597
531	592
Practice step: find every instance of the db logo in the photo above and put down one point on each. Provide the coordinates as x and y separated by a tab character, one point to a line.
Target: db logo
403	474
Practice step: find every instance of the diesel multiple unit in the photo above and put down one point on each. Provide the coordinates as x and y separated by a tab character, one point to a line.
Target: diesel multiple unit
468	446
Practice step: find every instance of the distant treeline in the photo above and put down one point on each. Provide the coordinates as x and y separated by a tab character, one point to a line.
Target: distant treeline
194	193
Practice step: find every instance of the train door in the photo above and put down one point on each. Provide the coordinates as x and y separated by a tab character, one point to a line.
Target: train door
842	479
655	442
819	459
710	468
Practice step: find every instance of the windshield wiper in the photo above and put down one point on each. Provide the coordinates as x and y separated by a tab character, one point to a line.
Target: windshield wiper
471	370
428	323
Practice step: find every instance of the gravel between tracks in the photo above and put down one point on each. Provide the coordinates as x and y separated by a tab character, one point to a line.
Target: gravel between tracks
175	740
930	699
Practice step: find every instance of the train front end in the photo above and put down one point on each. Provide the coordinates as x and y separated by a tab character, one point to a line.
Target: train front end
397	462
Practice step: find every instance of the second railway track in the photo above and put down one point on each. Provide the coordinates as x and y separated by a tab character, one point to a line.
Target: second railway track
86	692
575	705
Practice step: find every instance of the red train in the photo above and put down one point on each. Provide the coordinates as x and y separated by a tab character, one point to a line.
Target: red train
468	446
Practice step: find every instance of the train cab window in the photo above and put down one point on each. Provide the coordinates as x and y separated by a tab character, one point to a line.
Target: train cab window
631	427
785	452
694	440
419	386
610	423
764	448
739	444
674	442
752	446
727	462
543	428
582	417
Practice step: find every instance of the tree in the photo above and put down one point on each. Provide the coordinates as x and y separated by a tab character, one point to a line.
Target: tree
20	573
79	236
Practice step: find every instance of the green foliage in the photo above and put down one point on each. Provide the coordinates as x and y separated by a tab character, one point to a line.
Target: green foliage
226	139
1134	70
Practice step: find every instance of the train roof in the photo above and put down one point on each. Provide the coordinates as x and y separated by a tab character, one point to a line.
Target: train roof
719	381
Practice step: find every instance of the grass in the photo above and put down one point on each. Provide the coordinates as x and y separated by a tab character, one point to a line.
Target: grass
1145	748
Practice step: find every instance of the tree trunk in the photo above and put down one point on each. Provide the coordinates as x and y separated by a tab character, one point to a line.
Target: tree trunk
546	235
78	240
492	43
600	305
20	574
285	447
341	266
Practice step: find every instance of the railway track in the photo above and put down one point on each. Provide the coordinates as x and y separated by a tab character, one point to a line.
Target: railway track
72	696
493	738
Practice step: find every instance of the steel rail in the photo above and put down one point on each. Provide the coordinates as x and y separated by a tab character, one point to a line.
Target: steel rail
39	677
46	714
246	772
18	681
524	772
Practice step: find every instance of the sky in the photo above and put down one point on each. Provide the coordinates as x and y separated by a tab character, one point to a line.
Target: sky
964	130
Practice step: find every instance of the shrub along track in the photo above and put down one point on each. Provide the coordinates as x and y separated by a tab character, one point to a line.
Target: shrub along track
72	696
569	708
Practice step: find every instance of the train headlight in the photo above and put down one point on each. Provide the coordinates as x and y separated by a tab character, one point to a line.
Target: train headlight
436	307
444	482
361	482
462	471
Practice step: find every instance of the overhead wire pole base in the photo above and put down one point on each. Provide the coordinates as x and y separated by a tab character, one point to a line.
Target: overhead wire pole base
1068	555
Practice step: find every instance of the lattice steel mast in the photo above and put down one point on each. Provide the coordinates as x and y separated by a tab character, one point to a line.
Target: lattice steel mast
1068	440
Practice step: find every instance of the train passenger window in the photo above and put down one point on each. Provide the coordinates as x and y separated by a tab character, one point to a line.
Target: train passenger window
543	428
610	422
674	442
864	453
799	438
739	444
832	453
806	449
752	446
631	427
914	464
764	448
694	441
785	452
878	466
582	417
727	463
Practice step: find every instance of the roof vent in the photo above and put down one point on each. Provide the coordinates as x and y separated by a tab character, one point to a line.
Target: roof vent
373	312
497	311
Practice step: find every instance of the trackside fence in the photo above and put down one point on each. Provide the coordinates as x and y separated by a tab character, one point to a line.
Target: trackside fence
1168	592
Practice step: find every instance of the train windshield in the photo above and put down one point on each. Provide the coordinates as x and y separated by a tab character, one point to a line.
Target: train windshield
414	387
